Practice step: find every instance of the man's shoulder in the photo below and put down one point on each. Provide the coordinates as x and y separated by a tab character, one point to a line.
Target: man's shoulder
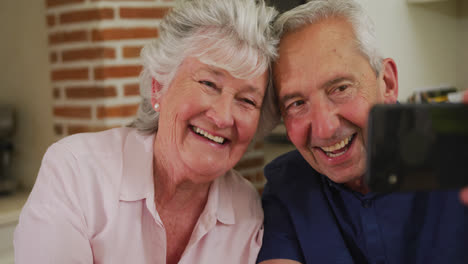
287	159
291	169
289	163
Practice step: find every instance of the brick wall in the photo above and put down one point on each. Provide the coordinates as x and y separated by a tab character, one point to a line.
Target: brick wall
94	55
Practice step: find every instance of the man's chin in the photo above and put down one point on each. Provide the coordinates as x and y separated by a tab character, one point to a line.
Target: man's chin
344	177
343	173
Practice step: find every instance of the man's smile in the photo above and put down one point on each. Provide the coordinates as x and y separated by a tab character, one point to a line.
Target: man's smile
339	148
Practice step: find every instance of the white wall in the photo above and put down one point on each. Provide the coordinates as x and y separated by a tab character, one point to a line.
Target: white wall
421	38
24	81
462	48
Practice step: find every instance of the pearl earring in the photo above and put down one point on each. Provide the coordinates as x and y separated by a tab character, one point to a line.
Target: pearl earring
156	106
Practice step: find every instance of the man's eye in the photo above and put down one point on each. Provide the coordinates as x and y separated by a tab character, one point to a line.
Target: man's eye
294	104
342	88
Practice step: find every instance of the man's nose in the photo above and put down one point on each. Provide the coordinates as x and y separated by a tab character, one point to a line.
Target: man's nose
220	112
324	121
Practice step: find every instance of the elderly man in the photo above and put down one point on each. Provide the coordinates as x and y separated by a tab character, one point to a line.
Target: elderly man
317	207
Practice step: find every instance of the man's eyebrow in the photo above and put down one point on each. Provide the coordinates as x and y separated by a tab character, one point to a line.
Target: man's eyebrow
334	81
287	97
325	85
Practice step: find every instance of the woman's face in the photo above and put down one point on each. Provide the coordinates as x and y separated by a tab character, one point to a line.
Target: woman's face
207	119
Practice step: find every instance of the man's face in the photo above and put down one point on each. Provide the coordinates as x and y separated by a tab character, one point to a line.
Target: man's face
326	88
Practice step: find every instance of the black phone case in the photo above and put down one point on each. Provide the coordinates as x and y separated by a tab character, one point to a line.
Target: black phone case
414	147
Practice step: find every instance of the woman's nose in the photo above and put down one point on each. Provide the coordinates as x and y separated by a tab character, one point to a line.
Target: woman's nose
221	113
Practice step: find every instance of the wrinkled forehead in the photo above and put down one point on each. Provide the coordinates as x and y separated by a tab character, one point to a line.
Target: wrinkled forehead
223	49
315	49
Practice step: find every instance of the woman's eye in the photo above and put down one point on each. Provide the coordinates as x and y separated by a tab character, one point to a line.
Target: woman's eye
249	102
209	84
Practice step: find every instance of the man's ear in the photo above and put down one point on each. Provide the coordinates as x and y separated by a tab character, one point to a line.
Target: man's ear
155	91
389	79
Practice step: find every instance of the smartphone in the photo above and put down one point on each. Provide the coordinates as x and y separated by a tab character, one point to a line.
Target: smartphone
417	147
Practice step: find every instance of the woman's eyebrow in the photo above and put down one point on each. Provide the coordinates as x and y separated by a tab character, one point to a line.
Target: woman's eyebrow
212	70
253	89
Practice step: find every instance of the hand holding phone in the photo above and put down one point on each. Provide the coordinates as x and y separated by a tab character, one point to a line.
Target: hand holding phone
417	147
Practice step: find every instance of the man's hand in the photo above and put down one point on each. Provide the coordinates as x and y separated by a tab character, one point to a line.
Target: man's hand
464	195
464	191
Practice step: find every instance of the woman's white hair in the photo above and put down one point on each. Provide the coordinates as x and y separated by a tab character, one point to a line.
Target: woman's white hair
317	10
235	35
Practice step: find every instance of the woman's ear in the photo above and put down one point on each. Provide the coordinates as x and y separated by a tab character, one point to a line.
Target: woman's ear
389	77
155	91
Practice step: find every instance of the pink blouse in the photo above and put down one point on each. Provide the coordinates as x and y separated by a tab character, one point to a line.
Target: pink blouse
93	202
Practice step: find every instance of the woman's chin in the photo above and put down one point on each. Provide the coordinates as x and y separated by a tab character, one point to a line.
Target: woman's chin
208	167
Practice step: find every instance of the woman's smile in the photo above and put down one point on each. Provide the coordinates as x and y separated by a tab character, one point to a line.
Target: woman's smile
217	139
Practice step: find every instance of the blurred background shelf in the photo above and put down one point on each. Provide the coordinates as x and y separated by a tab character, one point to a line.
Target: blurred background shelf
10	208
425	1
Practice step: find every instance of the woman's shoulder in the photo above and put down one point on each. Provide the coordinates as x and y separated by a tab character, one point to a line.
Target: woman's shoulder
87	157
95	158
107	141
90	167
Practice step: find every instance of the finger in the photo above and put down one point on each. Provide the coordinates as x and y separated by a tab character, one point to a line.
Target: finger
464	195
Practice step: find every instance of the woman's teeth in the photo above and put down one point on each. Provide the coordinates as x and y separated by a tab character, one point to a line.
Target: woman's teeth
201	132
343	145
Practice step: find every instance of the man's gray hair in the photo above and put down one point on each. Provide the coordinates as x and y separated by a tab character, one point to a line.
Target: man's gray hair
235	35
317	10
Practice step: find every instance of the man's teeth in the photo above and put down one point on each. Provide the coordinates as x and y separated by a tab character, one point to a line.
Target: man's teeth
333	155
202	132
337	146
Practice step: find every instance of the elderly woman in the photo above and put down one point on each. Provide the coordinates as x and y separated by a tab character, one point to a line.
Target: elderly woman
164	190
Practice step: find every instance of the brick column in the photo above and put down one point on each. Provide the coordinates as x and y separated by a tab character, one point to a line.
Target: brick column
251	165
94	55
